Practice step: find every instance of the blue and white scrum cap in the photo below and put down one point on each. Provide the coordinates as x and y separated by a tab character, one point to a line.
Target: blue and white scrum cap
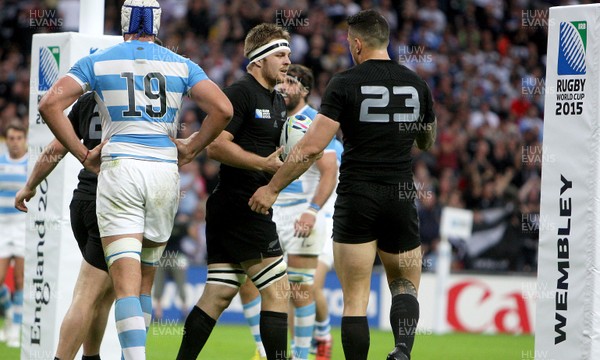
140	16
268	49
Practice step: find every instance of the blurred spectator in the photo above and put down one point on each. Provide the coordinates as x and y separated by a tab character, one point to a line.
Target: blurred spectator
173	265
194	243
192	188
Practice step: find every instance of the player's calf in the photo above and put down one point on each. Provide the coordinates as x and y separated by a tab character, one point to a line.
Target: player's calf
301	285
404	314
222	284
123	260
273	285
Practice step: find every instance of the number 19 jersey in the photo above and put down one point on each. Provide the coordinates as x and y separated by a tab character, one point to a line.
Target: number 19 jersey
139	88
381	107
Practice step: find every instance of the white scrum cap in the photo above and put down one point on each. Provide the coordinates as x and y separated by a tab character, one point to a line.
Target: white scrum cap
140	16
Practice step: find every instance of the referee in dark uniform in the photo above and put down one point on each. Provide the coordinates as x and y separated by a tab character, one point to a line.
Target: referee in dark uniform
240	241
86	318
383	108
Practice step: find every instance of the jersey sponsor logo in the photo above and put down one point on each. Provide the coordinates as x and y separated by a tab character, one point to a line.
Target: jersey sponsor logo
93	50
572	42
262	114
49	67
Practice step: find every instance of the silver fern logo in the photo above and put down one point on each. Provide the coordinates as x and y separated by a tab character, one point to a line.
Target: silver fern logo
49	67
572	48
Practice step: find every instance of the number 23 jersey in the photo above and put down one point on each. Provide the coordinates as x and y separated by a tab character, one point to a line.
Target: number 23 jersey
381	107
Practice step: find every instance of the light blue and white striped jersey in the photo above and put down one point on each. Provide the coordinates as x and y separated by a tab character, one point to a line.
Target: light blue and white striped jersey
139	88
13	176
303	189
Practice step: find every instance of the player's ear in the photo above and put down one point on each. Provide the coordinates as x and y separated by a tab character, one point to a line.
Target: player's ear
358	44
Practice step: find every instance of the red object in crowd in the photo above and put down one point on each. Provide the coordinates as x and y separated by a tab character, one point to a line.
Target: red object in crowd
503	45
519	107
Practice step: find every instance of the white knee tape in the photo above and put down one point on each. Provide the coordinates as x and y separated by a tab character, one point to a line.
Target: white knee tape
270	274
125	247
151	256
231	276
301	275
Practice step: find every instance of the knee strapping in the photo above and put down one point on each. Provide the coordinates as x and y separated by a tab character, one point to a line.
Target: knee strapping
229	276
151	256
122	248
301	275
270	274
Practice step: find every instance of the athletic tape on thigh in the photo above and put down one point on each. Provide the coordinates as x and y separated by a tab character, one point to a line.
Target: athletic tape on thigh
270	274
124	247
151	256
301	275
232	276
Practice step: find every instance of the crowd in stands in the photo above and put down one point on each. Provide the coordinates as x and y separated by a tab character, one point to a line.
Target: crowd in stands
483	59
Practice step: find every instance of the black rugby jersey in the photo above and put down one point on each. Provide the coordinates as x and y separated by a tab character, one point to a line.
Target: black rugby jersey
85	119
381	107
258	117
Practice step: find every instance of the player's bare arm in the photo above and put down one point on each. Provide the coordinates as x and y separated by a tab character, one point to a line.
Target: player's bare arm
224	150
52	106
426	138
209	97
327	166
303	155
47	161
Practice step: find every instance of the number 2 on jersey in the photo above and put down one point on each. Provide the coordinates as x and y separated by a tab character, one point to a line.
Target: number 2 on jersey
95	130
405	98
152	95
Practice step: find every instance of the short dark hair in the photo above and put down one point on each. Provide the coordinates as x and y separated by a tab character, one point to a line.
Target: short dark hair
371	26
303	74
262	34
16	125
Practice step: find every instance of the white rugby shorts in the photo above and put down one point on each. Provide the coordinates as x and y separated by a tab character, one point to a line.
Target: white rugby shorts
12	240
137	196
285	217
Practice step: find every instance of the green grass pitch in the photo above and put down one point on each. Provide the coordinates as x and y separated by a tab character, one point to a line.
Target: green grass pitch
228	342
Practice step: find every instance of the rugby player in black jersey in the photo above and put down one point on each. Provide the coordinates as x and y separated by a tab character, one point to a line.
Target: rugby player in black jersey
383	108
241	242
85	321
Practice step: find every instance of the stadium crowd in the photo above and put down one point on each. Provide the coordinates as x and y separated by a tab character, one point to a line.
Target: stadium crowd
484	61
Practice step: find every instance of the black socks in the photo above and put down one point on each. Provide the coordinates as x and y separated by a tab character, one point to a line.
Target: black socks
196	331
355	337
404	316
273	331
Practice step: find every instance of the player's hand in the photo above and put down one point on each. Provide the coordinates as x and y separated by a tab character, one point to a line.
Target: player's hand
262	200
273	162
25	194
185	155
304	224
92	162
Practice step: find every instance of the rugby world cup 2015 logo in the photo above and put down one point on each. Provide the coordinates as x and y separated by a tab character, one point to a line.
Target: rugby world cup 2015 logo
571	48
49	67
